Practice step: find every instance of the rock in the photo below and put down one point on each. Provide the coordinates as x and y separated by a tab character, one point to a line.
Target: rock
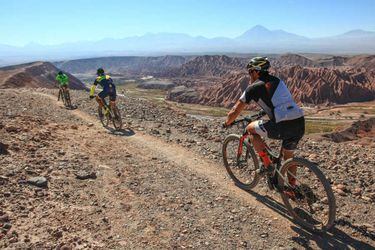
357	191
313	157
3	149
74	127
57	234
342	187
155	131
264	235
38	181
66	247
12	129
340	192
83	175
4	218
217	139
13	240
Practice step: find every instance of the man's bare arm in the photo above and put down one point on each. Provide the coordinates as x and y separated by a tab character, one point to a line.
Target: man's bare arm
235	111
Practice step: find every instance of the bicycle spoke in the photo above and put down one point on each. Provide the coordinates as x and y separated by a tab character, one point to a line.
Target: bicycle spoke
240	164
310	198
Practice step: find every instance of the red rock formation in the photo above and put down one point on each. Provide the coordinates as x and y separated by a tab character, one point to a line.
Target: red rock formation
307	85
209	66
34	75
357	130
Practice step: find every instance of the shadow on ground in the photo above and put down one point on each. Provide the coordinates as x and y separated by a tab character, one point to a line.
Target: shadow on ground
334	239
121	132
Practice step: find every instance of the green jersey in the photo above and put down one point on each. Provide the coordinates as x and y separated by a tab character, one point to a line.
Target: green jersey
62	79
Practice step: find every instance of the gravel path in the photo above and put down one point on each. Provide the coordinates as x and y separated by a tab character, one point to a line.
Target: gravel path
158	184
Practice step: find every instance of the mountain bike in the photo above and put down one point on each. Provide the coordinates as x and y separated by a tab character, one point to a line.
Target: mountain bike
310	202
113	115
65	97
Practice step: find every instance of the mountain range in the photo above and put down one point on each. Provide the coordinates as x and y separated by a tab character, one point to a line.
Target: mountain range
255	40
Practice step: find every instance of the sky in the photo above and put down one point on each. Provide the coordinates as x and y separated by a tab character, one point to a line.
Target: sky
54	22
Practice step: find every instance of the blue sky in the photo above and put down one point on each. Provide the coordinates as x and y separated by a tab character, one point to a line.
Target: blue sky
54	22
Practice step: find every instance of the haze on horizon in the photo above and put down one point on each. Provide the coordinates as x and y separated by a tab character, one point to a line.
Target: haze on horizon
52	22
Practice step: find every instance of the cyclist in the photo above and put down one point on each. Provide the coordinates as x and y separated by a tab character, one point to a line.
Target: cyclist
286	120
109	89
63	82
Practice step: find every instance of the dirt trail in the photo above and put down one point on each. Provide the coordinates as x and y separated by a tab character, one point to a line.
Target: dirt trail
146	147
146	192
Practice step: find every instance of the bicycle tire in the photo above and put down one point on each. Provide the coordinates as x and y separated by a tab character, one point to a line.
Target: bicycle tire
327	188
116	118
63	97
67	98
249	156
104	119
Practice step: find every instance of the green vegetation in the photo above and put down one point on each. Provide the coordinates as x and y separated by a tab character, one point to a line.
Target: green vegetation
196	109
323	126
157	96
153	95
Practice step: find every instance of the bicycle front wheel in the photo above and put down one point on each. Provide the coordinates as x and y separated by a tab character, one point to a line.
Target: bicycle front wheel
240	164
104	119
310	201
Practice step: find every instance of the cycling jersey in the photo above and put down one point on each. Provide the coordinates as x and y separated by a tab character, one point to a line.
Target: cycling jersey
62	79
273	96
109	88
105	81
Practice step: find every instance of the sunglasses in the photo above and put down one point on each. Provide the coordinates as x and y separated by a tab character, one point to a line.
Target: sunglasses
252	71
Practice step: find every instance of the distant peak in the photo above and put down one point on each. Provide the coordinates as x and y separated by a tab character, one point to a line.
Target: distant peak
357	32
259	27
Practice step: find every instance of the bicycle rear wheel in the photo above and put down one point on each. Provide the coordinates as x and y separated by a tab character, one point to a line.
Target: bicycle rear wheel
104	119
312	202
116	118
240	165
67	98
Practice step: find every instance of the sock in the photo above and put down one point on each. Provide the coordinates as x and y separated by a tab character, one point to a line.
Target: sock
266	160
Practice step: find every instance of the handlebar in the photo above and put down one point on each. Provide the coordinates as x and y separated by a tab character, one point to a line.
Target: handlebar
249	119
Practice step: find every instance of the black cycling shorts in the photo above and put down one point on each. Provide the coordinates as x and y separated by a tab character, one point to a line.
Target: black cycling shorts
290	132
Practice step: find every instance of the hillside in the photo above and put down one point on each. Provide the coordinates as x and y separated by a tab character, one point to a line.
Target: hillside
321	81
125	65
34	75
160	184
209	66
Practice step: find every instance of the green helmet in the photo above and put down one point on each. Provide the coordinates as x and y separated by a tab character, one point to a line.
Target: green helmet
259	63
100	71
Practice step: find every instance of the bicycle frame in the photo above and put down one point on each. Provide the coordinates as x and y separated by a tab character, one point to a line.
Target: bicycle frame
276	159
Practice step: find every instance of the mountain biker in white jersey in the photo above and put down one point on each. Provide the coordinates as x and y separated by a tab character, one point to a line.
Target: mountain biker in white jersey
286	120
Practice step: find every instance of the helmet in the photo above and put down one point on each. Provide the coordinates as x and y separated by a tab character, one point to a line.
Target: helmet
100	71
60	73
259	63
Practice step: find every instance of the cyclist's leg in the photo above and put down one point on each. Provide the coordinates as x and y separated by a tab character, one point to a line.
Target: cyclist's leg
257	129
288	147
255	137
66	92
60	92
100	98
293	132
112	98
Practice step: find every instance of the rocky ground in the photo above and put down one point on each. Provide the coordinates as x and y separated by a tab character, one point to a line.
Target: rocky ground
66	182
